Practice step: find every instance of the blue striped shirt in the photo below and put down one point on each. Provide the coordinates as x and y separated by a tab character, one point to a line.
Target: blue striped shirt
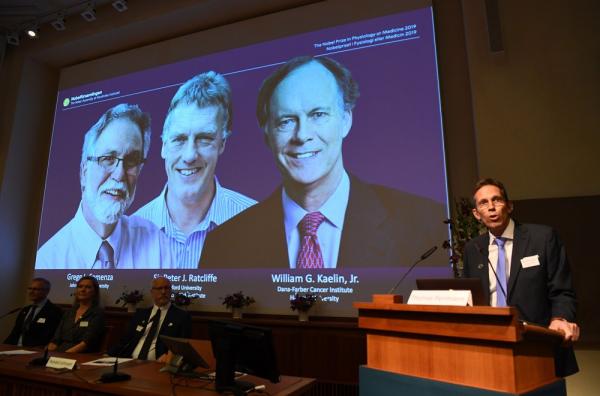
186	250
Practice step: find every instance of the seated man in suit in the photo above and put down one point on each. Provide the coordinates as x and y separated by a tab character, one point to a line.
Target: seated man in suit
530	270
141	340
322	217
37	322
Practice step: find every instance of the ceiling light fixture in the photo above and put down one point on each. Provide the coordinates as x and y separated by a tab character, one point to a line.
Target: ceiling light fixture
89	14
12	38
33	32
120	5
59	23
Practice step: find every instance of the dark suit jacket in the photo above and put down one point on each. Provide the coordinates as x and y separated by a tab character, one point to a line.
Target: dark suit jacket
89	328
539	292
42	328
177	323
382	227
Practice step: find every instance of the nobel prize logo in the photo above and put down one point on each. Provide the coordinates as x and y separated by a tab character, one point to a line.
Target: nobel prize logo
66	102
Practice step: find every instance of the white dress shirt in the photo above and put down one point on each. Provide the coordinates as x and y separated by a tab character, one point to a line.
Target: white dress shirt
186	249
140	344
137	243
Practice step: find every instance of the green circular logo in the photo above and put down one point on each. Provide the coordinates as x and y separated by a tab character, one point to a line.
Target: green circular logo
66	102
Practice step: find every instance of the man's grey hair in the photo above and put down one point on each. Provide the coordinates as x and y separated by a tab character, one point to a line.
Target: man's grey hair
121	111
205	89
45	281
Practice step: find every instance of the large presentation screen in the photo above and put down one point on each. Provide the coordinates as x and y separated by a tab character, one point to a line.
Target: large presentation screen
307	164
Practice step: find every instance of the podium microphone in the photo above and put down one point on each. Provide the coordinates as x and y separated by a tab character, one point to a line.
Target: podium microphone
423	257
12	311
480	249
41	361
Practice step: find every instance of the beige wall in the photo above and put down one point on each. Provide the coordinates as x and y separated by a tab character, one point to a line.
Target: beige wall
536	104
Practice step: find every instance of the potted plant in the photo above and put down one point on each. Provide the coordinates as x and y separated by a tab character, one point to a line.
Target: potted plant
302	303
463	227
130	299
236	301
182	300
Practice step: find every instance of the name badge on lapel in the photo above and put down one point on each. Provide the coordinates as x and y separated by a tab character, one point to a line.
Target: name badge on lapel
84	323
139	328
530	261
41	320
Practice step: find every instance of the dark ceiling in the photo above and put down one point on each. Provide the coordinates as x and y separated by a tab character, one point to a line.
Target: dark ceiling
17	15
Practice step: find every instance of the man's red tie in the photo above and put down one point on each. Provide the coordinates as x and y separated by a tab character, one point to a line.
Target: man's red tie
310	252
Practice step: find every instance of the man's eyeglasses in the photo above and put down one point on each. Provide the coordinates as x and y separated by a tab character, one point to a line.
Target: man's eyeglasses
496	201
35	289
131	163
165	288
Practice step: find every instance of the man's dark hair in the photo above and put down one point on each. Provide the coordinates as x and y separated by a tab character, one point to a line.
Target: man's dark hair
490	182
343	77
45	281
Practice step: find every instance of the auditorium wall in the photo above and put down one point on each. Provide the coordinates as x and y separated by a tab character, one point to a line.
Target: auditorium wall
535	103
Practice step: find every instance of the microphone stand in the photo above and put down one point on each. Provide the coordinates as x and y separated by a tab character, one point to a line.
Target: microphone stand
390	298
423	257
41	361
498	283
115	375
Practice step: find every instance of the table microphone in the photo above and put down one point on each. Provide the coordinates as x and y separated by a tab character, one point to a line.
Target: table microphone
114	375
423	257
41	361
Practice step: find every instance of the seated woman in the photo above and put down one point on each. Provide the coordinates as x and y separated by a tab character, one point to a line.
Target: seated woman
82	327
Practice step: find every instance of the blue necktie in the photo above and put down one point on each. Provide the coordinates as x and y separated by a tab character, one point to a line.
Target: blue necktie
501	272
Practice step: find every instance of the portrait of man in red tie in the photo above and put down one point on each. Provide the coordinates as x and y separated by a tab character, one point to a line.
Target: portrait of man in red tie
322	216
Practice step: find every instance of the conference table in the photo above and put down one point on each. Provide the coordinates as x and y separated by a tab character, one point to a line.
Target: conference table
18	378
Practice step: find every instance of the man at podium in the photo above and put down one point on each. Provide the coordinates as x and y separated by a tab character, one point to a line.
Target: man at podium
525	266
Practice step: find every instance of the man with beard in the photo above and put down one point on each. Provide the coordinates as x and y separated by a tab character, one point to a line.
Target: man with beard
100	235
193	202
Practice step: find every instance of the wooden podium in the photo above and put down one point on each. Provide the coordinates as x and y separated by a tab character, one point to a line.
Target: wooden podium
482	347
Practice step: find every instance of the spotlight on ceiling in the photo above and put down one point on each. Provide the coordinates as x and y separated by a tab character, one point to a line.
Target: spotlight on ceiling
33	32
12	38
120	5
59	23
89	14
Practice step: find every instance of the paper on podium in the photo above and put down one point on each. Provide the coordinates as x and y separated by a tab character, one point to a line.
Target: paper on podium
459	298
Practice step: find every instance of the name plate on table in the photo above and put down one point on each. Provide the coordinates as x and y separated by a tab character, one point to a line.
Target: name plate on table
459	298
61	363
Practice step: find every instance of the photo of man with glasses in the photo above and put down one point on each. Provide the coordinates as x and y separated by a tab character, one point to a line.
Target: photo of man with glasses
101	236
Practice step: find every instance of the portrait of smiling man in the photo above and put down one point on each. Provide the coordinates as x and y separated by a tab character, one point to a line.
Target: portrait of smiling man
101	236
322	216
193	203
